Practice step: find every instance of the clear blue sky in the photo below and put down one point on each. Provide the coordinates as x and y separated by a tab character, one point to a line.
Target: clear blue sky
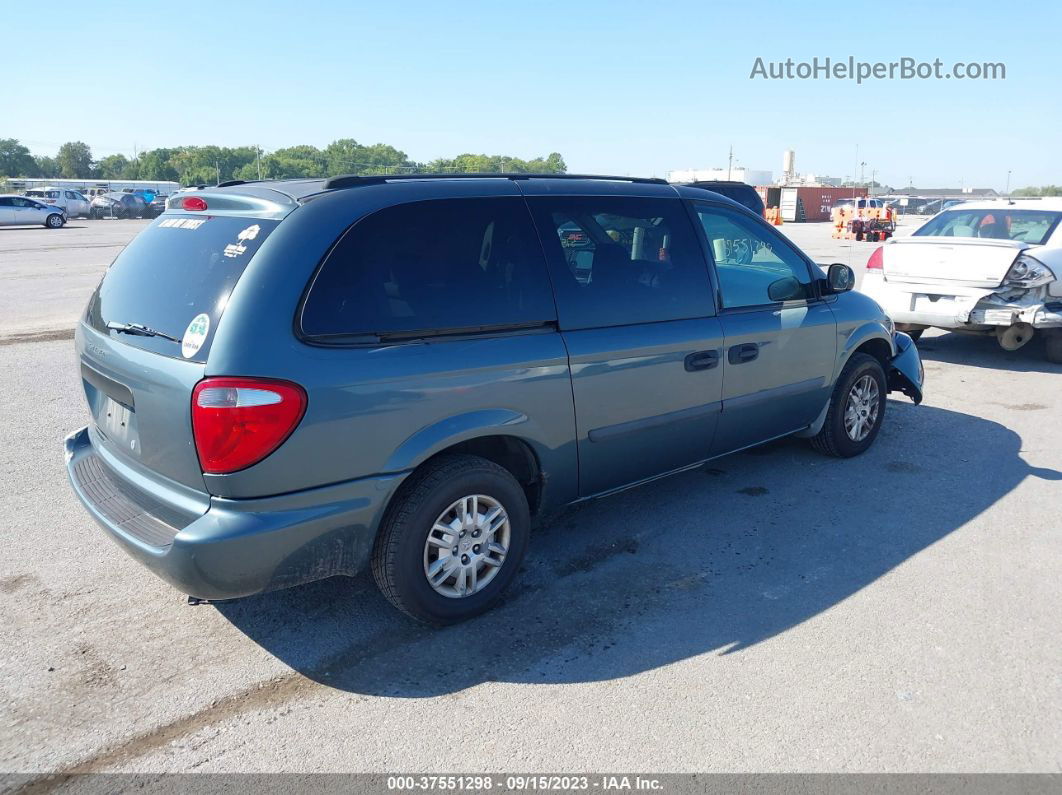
616	87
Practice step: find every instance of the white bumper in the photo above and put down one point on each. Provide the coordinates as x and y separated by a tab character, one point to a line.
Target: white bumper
956	307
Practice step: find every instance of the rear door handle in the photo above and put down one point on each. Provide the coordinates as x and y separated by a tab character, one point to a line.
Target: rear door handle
739	354
702	360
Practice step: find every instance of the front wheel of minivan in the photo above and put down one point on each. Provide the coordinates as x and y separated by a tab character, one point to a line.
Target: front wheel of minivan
452	540
857	409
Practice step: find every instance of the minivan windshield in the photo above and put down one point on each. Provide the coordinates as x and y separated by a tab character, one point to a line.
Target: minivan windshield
1028	226
175	277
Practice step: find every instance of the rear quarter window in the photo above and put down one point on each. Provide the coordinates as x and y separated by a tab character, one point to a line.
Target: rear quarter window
431	267
179	268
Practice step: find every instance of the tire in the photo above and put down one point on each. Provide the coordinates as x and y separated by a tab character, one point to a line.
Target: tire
402	555
1053	346
834	438
54	221
916	335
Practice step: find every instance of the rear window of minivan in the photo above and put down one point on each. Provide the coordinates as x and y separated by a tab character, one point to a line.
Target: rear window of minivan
172	273
425	268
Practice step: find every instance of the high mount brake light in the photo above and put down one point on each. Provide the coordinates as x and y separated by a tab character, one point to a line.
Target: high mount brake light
237	422
194	203
877	260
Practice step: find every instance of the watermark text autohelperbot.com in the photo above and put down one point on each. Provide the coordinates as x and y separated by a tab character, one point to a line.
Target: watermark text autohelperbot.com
861	71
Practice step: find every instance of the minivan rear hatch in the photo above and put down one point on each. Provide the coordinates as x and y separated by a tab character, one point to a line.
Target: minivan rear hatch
149	325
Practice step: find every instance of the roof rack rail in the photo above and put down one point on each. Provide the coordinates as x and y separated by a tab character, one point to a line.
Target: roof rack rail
230	183
353	180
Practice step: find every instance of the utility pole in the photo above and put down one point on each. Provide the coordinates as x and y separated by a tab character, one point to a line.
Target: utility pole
258	159
730	163
217	169
853	175
1007	191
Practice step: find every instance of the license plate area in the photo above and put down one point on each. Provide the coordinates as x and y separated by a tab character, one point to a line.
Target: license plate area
113	410
118	423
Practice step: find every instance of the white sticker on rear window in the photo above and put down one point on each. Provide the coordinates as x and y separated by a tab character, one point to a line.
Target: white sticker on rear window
240	246
195	335
183	223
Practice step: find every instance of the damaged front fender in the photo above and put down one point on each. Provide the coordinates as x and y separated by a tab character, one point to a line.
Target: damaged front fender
906	373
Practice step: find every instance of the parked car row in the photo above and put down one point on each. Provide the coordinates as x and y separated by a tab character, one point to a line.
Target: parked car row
53	207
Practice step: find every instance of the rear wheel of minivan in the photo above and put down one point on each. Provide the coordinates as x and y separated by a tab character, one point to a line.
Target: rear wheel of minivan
857	409
452	540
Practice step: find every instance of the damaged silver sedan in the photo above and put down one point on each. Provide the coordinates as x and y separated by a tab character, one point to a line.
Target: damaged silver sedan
989	267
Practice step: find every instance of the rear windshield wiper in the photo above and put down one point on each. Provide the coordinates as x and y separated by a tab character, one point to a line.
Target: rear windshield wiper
139	330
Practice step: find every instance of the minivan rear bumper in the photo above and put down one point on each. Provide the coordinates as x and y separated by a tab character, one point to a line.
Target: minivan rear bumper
237	547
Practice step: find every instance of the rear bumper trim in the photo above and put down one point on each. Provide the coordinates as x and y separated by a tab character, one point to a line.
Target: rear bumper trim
97	486
238	547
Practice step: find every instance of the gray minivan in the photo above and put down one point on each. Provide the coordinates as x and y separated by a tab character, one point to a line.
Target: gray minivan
299	379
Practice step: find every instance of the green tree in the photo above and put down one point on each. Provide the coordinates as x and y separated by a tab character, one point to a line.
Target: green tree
493	164
155	164
113	167
16	160
48	167
75	160
1046	190
347	156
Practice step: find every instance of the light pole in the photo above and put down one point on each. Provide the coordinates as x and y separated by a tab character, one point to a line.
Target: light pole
1007	191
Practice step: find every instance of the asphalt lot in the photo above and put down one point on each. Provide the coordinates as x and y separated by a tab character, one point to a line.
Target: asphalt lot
774	611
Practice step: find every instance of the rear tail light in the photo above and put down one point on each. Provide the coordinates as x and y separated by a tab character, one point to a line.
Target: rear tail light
877	260
1028	272
237	422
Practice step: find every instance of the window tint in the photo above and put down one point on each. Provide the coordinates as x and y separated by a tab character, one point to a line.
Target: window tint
618	260
444	265
754	266
173	271
71	195
24	203
6	202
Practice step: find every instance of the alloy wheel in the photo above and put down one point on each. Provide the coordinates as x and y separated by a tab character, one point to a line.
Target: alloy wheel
861	408
466	546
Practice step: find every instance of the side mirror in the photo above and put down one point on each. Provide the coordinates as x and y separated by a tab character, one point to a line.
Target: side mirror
840	278
785	289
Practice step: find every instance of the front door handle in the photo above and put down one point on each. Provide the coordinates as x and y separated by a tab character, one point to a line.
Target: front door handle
739	354
702	360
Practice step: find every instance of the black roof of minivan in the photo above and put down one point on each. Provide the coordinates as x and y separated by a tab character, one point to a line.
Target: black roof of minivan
301	189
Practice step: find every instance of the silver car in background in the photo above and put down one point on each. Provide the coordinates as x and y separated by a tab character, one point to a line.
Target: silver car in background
24	211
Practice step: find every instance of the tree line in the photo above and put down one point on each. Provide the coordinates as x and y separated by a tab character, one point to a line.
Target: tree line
207	165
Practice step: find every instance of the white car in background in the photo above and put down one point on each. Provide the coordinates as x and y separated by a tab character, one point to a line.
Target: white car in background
24	211
991	267
73	202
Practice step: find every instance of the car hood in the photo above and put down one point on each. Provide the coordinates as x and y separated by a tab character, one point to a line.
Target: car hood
970	262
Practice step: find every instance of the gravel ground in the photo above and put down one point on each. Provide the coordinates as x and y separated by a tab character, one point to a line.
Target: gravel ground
774	611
